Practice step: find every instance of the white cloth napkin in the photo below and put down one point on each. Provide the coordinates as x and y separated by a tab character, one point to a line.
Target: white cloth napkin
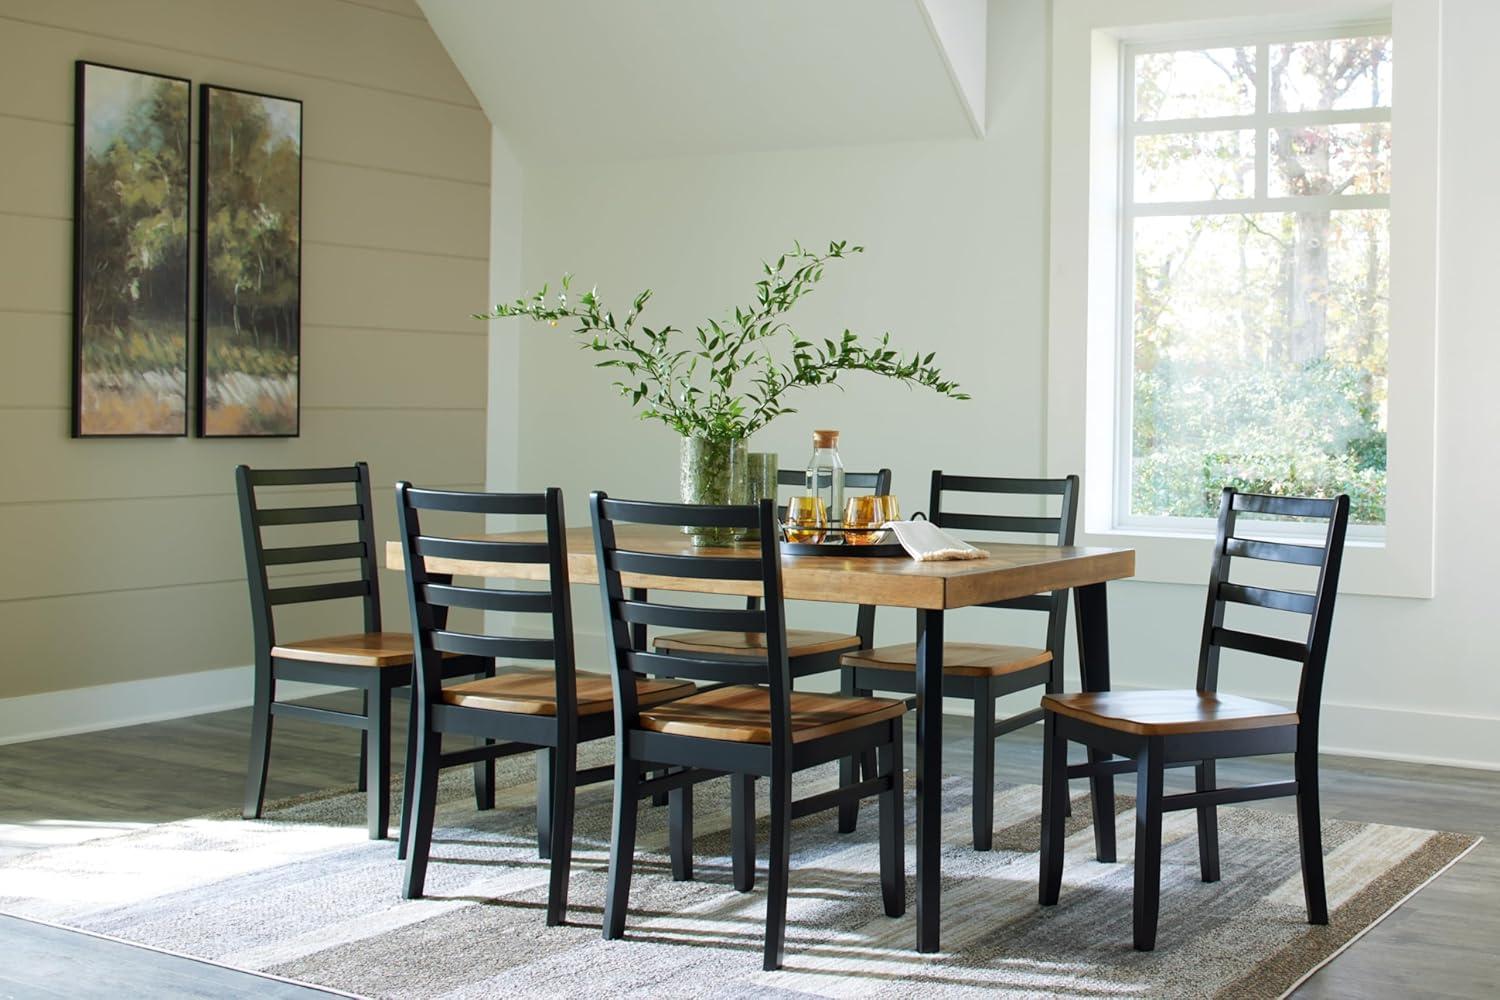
926	542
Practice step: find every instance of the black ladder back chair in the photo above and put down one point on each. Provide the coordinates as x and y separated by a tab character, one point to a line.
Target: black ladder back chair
1154	730
374	662
985	672
749	723
549	711
809	651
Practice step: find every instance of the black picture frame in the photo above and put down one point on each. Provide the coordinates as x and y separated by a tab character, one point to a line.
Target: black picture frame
276	337
143	301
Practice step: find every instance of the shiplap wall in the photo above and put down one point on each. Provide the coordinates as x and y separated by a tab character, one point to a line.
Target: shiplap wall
121	559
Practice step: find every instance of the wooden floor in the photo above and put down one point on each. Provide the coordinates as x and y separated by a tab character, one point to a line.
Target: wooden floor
1441	943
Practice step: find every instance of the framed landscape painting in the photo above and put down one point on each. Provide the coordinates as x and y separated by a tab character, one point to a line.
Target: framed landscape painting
249	265
130	252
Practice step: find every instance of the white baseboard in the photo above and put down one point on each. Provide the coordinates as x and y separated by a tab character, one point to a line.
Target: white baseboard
1373	731
130	703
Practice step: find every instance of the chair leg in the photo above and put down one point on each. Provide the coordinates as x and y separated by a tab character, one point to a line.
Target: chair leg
409	781
1102	795
361	782
848	766
484	770
1148	795
892	809
424	807
680	832
1310	835
564	781
260	744
1054	797
1054	685
781	849
484	782
545	769
742	830
984	765
621	844
378	764
1205	780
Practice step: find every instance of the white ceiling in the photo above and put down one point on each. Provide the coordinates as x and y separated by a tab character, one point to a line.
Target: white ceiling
625	79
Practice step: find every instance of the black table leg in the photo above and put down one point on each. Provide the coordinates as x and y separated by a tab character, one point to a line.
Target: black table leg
1093	663
929	778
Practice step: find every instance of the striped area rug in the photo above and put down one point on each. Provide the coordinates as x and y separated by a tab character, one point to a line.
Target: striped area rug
303	895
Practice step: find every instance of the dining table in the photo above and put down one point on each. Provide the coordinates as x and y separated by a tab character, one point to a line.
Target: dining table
930	588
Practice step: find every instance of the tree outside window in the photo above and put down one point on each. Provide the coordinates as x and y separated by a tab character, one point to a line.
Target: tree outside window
1256	266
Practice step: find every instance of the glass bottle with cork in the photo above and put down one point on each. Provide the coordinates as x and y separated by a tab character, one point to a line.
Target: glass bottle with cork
825	474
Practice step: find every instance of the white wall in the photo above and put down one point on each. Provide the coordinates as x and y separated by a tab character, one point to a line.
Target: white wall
957	263
122	591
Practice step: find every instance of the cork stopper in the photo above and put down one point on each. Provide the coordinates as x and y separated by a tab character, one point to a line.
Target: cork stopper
825	439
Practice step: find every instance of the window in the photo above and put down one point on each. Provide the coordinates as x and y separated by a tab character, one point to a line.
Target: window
1255	185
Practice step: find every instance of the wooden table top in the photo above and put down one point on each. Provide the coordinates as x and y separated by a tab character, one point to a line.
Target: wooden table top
1010	571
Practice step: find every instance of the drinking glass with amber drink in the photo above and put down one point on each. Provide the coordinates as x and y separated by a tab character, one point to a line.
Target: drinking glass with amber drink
806	519
864	516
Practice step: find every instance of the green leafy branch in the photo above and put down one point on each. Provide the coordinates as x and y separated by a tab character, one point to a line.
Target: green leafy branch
695	389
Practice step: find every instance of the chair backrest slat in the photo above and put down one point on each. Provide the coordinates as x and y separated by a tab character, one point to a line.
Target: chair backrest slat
319	592
624	612
517	504
1265	597
259	556
1283	552
449	596
876	482
1013	523
1265	645
303	477
431	595
309	515
724	671
479	550
1310	652
291	554
1060	525
676	616
491	647
1260	503
684	567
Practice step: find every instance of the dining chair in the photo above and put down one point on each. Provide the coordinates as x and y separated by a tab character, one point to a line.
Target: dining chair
985	672
809	651
1155	730
749	723
374	662
549	711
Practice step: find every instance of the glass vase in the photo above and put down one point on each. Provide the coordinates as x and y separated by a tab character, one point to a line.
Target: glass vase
760	485
714	471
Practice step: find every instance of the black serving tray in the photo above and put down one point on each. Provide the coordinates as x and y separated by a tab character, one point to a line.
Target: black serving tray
836	547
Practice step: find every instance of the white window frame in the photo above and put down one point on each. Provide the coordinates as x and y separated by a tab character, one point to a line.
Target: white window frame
1088	363
1261	122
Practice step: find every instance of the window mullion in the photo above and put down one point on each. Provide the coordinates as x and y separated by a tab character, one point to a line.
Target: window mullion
1262	115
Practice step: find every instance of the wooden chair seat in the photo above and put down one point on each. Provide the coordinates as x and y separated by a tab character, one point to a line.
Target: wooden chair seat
534	692
799	642
362	649
960	659
1163	713
742	714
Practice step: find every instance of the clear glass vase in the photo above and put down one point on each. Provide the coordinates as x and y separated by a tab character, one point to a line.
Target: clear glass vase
714	471
761	484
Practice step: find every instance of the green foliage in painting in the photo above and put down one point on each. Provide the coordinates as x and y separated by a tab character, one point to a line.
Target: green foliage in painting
133	232
251	263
